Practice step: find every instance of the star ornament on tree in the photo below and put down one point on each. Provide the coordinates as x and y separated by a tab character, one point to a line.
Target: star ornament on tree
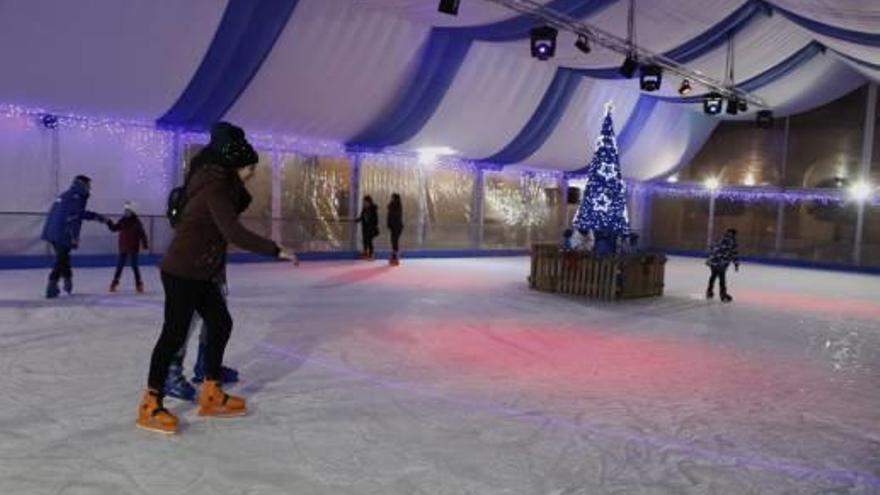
607	170
603	203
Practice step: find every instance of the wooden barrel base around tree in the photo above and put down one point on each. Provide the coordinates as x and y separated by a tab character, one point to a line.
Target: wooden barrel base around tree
623	276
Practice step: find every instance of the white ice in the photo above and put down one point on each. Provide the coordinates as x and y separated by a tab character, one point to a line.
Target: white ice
451	377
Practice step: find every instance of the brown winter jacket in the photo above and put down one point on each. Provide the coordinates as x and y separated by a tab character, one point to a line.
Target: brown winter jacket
208	223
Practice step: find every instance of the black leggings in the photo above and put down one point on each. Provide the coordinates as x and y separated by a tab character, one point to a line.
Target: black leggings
719	272
182	298
368	243
120	262
395	239
62	263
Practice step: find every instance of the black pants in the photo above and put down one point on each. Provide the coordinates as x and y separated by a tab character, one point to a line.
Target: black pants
182	298
395	239
368	243
62	263
719	272
120	262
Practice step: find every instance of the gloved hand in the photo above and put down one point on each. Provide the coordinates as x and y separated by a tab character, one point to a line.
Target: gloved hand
736	266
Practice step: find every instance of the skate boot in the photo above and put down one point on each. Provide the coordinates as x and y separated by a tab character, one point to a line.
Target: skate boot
227	375
709	294
68	285
52	290
214	402
177	386
139	287
153	416
114	286
394	260
726	298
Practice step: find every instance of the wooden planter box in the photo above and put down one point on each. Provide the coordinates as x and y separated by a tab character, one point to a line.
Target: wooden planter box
609	278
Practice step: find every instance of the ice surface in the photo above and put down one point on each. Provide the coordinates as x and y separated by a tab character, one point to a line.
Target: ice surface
451	377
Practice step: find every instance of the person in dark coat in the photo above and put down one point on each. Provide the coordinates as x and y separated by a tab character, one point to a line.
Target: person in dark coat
194	261
395	226
131	238
62	229
722	254
369	220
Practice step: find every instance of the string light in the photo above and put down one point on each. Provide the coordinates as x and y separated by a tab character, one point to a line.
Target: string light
745	194
149	149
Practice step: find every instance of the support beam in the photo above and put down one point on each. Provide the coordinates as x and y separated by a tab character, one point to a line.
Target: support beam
563	203
55	157
710	229
354	199
477	209
865	169
277	171
780	207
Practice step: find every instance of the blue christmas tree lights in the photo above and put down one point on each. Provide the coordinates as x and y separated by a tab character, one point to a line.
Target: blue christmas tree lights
603	208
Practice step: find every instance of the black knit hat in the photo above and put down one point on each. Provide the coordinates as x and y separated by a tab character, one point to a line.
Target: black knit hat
83	178
230	144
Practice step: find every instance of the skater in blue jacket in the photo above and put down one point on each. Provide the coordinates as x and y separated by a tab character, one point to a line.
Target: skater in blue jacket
63	224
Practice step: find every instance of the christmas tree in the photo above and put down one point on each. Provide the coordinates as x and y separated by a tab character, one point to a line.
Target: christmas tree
603	208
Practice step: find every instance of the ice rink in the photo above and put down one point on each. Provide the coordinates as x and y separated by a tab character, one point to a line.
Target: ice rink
451	377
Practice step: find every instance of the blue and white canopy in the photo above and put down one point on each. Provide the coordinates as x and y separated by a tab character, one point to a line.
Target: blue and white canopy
397	74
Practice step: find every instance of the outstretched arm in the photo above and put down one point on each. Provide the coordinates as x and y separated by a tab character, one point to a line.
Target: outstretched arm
226	219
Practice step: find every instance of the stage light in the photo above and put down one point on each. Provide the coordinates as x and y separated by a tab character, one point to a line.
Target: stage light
712	103
629	66
650	78
764	119
685	88
732	106
582	44
860	191
712	183
743	106
543	40
429	155
672	179
449	7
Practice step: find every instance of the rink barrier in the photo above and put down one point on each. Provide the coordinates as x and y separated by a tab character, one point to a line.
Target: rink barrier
109	260
786	262
608	278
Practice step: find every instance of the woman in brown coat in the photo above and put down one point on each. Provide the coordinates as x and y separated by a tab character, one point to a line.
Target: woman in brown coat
196	258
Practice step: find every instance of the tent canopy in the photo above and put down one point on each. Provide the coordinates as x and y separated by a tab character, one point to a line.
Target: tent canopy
397	74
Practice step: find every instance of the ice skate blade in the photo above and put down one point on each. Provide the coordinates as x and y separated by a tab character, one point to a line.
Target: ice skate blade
221	415
154	429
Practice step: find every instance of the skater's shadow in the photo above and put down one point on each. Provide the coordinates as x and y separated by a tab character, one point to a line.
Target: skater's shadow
667	306
282	352
292	340
352	277
78	300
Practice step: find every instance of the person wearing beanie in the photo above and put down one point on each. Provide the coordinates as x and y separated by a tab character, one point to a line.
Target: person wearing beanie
62	229
215	197
131	238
